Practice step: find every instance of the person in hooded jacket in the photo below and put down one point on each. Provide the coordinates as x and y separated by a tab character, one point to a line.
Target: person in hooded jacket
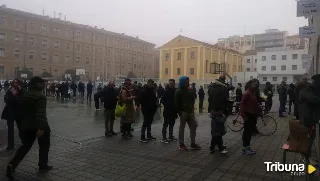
184	100
149	105
291	96
219	95
11	111
109	95
298	87
201	98
282	91
170	114
74	89
269	93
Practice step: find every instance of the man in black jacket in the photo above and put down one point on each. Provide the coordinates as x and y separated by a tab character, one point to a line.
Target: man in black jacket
89	90
219	95
169	113
74	89
109	95
149	104
282	90
201	98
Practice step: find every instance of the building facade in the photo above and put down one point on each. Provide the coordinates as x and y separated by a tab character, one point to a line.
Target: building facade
193	58
314	46
41	43
280	64
250	59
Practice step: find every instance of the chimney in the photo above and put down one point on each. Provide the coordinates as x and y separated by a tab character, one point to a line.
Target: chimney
65	17
60	16
54	14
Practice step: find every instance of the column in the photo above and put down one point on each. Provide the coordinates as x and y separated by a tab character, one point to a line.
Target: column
198	62
160	65
185	61
204	60
171	64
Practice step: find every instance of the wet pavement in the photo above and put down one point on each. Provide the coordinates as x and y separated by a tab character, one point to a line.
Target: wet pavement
80	151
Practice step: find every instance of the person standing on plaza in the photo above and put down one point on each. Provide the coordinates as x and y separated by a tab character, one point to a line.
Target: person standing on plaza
291	95
170	113
209	98
96	99
269	93
81	90
149	105
282	91
34	125
127	98
74	89
11	111
201	95
219	95
249	110
109	95
218	129
89	90
238	96
160	91
298	87
184	100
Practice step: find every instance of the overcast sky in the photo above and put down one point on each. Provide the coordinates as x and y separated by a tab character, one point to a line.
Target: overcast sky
158	21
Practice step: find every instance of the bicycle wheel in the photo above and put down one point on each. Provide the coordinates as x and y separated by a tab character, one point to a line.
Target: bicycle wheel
235	122
266	125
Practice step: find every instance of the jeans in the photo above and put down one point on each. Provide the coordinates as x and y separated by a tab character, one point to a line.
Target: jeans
217	141
248	128
89	95
109	119
10	124
147	122
201	103
282	107
74	93
290	104
29	136
188	118
168	122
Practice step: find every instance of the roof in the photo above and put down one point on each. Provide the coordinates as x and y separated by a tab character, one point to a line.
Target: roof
209	45
250	52
75	25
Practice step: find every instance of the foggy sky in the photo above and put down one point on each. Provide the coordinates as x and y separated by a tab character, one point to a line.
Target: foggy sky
158	21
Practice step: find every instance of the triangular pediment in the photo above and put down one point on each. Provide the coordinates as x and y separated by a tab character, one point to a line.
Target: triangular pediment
180	41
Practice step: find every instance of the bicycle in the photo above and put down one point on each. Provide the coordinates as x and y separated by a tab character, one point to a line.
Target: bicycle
264	121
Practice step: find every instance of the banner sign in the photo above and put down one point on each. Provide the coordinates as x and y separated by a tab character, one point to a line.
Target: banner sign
308	32
308	8
306	60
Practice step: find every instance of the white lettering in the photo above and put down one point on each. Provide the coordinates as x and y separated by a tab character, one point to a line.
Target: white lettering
268	165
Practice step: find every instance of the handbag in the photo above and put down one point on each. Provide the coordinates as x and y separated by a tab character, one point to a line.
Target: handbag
120	109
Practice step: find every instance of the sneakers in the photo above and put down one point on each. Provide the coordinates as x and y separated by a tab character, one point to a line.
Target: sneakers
248	151
195	146
143	140
45	169
224	151
10	172
183	147
151	138
164	141
98	109
172	139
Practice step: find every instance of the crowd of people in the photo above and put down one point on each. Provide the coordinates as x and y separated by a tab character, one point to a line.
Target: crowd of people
26	105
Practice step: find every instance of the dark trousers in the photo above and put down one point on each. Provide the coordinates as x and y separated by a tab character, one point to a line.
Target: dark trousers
290	104
147	122
29	136
81	94
74	93
168	122
126	128
216	141
268	105
282	107
10	124
248	128
89	95
210	106
96	103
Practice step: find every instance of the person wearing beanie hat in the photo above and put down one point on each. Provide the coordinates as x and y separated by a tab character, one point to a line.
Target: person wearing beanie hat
34	125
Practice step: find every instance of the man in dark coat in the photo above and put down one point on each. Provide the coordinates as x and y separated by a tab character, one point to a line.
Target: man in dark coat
149	104
269	93
219	95
282	91
298	87
170	114
74	89
201	98
109	95
81	90
34	125
11	111
89	90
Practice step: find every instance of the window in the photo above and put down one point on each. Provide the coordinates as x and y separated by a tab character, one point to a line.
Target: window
87	61
67	59
273	57
166	71
248	69
31	24
55	58
248	60
17	53
193	55
251	77
294	56
44	28
44	43
263	68
2	70
2	20
264	79
88	36
167	57
31	55
255	69
78	35
191	71
2	35
31	42
285	79
255	60
17	39
78	60
78	48
109	53
18	23
179	56
178	71
283	67
68	32
16	71
264	58
56	44
275	79
2	52
273	68
67	47
284	57
44	56
294	67
57	30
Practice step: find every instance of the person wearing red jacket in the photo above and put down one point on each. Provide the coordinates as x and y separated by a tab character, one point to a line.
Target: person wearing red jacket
249	110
